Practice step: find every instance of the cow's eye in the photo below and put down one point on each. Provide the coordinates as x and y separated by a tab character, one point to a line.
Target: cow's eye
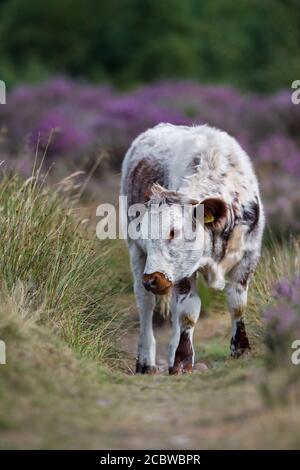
172	234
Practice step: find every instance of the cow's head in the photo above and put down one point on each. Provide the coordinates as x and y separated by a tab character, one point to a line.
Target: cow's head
176	235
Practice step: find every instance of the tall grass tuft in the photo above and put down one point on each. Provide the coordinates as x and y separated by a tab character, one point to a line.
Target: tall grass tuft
63	269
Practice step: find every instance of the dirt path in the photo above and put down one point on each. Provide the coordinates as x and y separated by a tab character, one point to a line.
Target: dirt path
208	331
217	406
75	404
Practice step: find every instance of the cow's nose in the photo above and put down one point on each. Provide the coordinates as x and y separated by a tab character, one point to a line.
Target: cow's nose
156	282
148	284
150	281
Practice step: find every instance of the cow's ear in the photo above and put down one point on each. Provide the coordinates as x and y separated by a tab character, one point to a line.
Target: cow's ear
215	213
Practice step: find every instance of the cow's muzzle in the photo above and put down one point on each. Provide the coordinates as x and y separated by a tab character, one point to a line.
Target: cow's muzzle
157	283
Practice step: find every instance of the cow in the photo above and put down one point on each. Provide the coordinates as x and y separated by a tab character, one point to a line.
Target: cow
199	166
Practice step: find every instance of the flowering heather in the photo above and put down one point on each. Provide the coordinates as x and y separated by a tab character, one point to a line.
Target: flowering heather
283	319
285	315
83	118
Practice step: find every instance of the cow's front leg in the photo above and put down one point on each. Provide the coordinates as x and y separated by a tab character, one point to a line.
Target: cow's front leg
236	294
145	361
185	309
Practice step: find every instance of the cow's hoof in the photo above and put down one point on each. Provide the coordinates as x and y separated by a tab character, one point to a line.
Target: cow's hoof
181	368
143	369
174	371
150	370
240	345
183	363
187	368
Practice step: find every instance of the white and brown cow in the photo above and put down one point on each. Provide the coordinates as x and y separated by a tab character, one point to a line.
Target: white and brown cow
176	165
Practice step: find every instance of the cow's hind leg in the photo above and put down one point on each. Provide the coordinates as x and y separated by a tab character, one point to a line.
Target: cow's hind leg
237	294
145	361
185	309
237	302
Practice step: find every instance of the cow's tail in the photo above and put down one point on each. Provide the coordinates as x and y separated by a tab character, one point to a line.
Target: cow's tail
163	303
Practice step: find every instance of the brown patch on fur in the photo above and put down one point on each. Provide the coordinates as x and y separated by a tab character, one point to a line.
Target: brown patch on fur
157	283
184	356
141	179
240	342
251	214
143	369
234	249
183	286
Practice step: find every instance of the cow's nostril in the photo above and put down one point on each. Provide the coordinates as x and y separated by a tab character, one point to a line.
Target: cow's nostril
147	285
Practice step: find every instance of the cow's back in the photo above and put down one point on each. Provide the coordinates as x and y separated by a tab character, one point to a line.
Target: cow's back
200	159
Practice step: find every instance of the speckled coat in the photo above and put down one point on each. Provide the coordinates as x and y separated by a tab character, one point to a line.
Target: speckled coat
194	165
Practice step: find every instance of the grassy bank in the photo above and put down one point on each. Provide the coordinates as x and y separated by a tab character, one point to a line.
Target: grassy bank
49	252
49	396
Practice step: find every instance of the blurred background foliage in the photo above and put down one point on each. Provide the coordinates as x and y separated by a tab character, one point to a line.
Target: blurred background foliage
85	78
250	44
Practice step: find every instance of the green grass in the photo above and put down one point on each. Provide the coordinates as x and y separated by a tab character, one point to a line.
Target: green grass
215	349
